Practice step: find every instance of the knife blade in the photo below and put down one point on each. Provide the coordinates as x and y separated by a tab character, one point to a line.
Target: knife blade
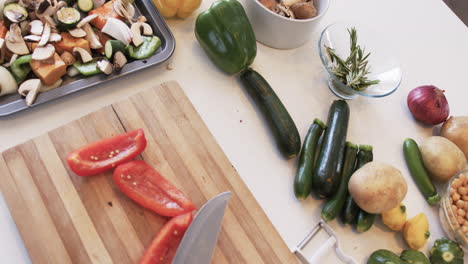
199	241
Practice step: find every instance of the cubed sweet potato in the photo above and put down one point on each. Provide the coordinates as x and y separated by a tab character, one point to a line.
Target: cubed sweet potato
69	42
49	73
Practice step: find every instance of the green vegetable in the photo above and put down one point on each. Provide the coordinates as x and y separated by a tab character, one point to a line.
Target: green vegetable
333	207
280	122
352	71
412	256
303	180
383	256
145	50
112	46
20	68
446	251
418	171
85	5
68	17
327	171
350	211
225	33
15	12
365	220
89	68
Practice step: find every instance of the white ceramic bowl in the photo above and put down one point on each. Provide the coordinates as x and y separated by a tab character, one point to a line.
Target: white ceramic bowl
280	32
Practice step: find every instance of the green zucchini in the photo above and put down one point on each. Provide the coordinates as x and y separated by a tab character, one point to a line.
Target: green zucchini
412	256
383	256
418	171
333	207
147	49
303	180
365	221
15	12
350	211
280	122
68	17
89	68
113	46
85	5
326	176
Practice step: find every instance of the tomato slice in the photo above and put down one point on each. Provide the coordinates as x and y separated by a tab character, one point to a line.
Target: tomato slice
107	153
164	246
147	187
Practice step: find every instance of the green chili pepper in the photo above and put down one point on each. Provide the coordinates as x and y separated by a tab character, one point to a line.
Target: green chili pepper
87	69
145	50
20	68
225	33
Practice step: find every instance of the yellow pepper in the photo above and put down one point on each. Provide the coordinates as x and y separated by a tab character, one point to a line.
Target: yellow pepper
416	231
395	219
180	8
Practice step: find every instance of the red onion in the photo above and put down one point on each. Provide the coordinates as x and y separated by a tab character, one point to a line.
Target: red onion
428	104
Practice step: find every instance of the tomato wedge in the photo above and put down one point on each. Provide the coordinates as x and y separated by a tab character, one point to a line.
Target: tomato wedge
107	153
147	187
164	246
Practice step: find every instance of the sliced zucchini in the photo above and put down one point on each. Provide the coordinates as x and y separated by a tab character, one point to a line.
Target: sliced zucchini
15	12
112	47
85	5
68	17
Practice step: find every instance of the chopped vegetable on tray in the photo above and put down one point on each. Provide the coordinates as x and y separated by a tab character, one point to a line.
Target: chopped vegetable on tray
45	40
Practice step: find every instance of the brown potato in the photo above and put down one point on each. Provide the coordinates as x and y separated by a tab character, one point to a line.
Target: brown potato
456	130
377	187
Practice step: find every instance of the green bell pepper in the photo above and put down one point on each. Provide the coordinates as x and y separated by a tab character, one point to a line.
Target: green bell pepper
145	50
225	33
20	68
87	69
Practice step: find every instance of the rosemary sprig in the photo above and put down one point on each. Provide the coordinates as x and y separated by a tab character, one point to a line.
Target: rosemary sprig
354	70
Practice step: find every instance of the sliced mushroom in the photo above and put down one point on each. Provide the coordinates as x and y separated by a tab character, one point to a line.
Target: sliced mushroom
14	16
105	66
45	8
49	20
13	58
68	58
137	29
45	35
60	5
291	2
33	38
45	88
36	27
77	32
30	89
43	53
142	19
86	20
84	54
119	61
98	3
117	29
18	46
24	26
91	36
55	37
29	4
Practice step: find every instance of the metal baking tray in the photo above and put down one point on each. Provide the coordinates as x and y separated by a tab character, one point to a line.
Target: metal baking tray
13	103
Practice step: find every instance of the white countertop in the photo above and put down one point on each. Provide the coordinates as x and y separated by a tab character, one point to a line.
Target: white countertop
430	42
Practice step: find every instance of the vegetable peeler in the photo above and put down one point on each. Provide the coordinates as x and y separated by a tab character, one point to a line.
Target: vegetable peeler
332	241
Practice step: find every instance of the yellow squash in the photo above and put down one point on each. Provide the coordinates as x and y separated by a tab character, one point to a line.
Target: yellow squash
180	8
416	231
395	219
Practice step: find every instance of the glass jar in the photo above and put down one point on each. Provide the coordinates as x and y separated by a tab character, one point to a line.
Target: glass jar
454	223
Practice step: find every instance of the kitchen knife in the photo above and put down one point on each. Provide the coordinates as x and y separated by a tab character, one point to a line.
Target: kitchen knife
200	239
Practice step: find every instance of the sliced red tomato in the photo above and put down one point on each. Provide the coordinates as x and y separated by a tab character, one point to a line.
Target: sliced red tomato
107	153
164	246
147	187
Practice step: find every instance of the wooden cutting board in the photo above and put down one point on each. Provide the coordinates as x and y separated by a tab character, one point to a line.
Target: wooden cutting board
65	218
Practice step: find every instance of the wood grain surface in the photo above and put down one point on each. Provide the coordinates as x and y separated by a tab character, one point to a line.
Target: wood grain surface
65	218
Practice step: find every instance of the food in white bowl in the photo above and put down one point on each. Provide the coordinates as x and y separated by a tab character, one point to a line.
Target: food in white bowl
294	9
